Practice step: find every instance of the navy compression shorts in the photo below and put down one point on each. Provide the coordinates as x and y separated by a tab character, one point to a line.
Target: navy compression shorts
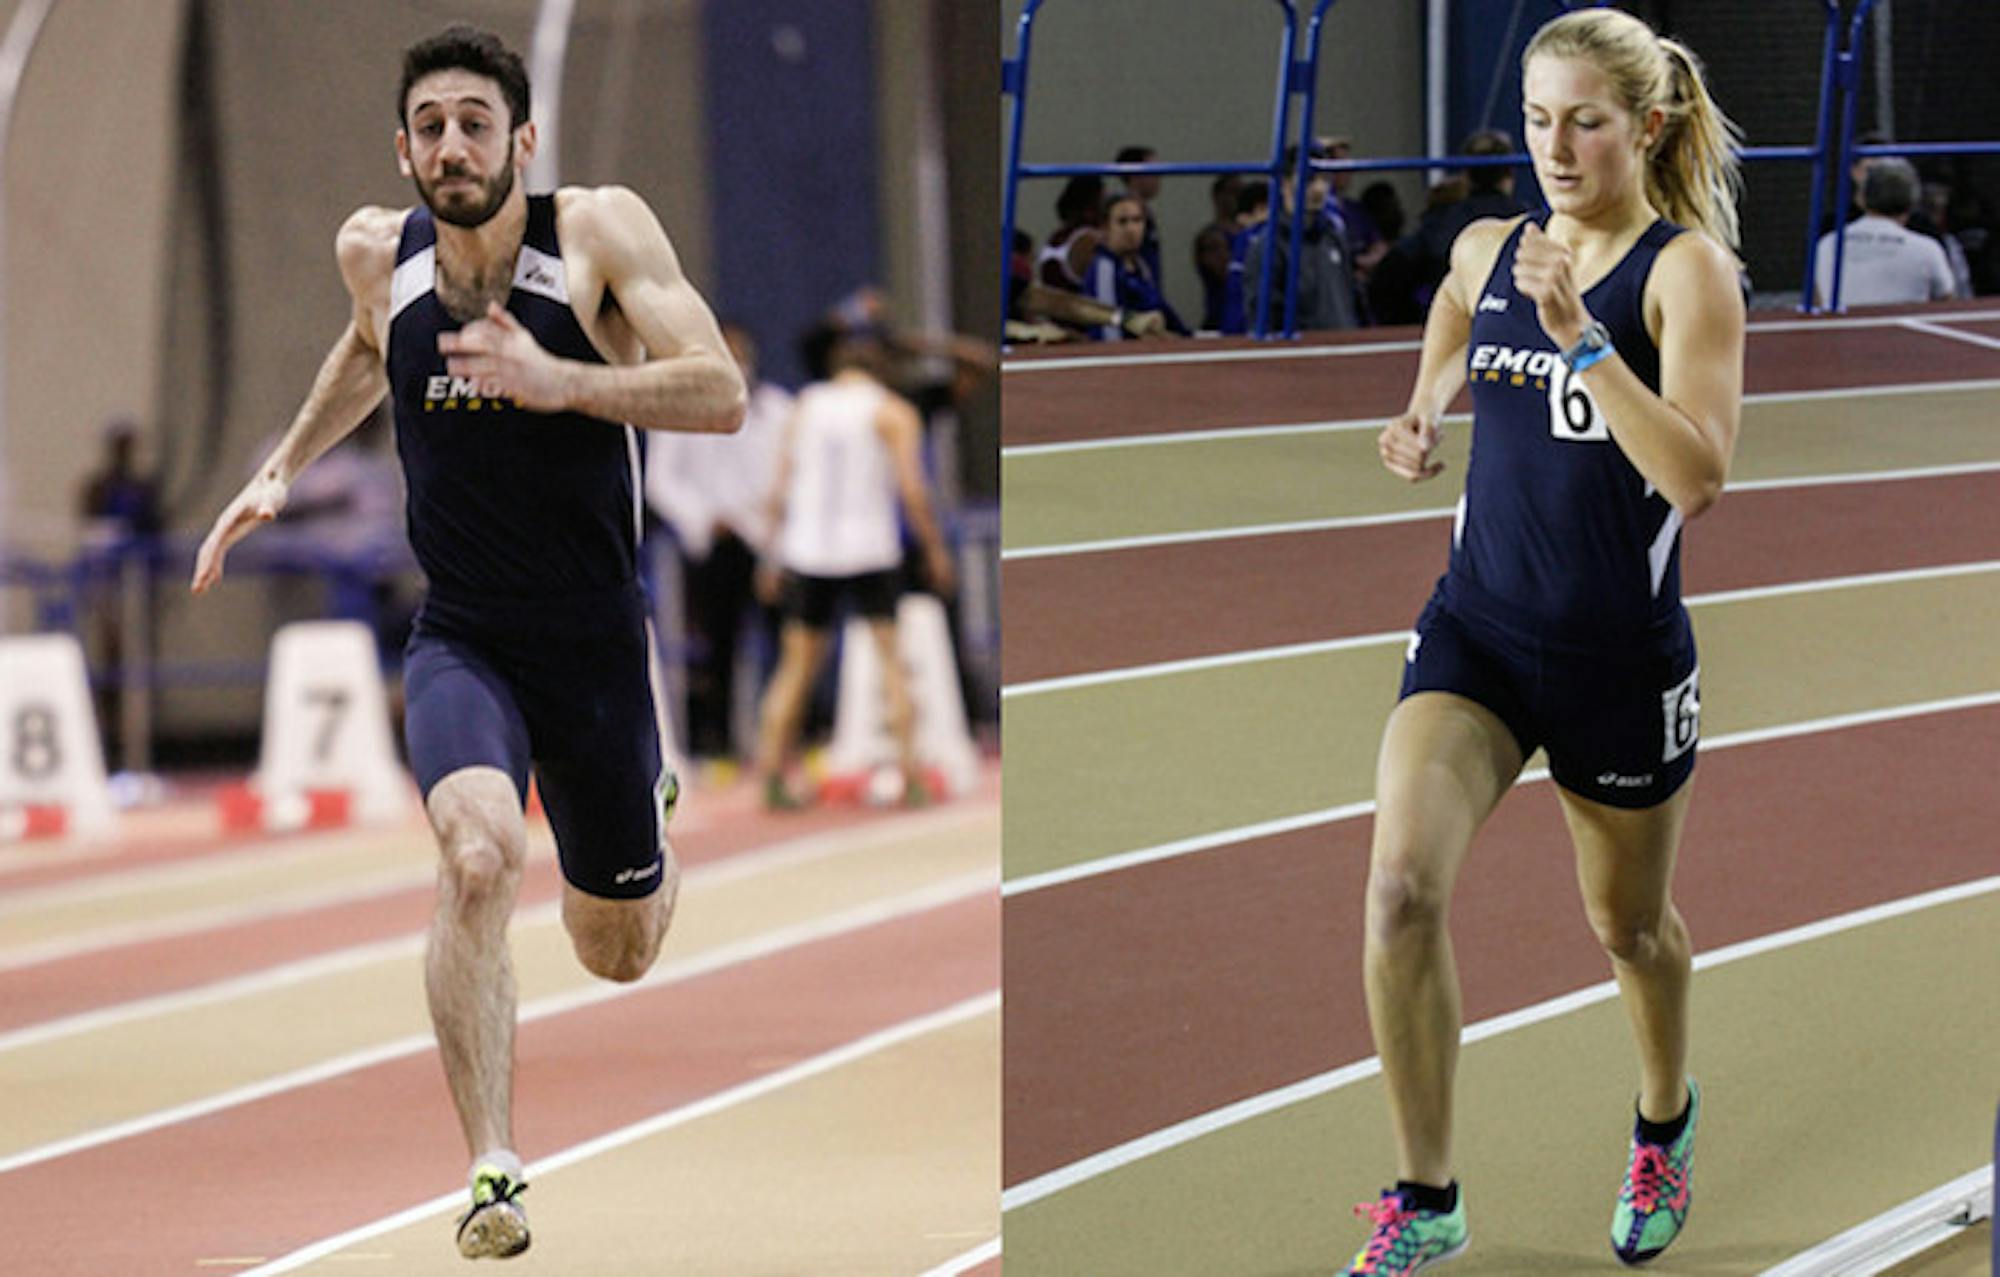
560	685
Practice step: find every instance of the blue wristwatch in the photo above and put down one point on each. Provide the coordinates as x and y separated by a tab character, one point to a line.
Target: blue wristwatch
1595	344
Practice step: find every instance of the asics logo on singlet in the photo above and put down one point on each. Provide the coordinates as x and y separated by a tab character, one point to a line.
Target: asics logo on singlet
1490	302
451	393
1495	362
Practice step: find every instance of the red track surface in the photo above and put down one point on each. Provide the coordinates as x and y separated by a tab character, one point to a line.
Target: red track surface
1074	614
1194	982
143	848
1191	983
373	1142
123	973
1050	406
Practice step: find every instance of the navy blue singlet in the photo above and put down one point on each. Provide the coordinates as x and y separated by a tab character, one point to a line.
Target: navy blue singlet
505	503
1557	532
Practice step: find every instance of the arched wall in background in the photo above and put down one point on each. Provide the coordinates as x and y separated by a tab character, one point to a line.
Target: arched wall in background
179	169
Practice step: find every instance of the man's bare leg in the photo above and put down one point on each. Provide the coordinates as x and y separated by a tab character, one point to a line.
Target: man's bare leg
801	650
469	981
901	707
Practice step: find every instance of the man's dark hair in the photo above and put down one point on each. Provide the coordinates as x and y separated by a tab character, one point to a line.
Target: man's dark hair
469	49
1134	155
816	347
1253	196
1079	196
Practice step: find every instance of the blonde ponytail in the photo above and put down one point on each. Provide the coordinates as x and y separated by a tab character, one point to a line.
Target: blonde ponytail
1692	173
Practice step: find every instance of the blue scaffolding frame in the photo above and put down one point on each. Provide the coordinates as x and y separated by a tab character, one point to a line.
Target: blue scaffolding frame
1832	152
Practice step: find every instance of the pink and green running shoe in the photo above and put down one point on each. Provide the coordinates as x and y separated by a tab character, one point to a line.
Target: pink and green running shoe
1653	1204
1406	1240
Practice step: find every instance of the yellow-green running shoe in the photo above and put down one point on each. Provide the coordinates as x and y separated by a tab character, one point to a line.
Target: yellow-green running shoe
496	1227
1406	1239
1653	1204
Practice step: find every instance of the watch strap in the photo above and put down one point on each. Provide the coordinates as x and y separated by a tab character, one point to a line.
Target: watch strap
1594	345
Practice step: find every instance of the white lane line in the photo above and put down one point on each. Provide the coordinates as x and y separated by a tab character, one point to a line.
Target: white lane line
1879	1244
1251	656
1111	1159
963	1263
722	1101
778	856
1247	354
1376	423
76	944
1939	330
938	895
791	852
259	857
1066	549
1219	433
1252	353
1225	838
1148	541
1197	664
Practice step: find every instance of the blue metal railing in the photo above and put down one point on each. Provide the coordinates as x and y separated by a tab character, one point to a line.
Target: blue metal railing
1832	152
1014	85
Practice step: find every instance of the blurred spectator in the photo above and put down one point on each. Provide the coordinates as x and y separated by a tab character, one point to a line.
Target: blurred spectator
848	464
1211	248
120	511
349	503
1934	202
1144	187
1366	240
1409	274
1253	206
117	502
1857	176
343	517
1326	294
1969	216
713	491
1080	215
1120	276
1885	262
1381	202
1050	315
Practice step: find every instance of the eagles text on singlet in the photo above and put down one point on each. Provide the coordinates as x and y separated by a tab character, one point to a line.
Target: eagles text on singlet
452	393
1493	362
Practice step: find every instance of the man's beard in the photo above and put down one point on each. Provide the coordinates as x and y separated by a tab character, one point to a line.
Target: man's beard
492	193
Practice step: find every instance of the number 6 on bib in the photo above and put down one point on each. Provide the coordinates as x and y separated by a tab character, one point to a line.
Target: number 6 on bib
1573	414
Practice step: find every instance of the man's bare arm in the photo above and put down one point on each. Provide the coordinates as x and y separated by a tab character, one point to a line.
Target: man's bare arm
351	381
687	382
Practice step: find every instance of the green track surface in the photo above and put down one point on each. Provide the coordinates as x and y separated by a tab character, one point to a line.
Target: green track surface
1787	1045
1060	498
1099	770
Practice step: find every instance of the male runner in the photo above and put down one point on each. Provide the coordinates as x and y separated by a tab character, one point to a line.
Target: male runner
516	334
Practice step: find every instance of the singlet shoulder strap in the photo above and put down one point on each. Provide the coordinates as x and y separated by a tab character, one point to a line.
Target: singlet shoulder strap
416	262
541	229
1507	246
419	233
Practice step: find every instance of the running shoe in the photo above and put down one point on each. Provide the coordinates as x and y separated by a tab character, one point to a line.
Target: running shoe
667	794
1406	1239
496	1227
778	798
1653	1204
